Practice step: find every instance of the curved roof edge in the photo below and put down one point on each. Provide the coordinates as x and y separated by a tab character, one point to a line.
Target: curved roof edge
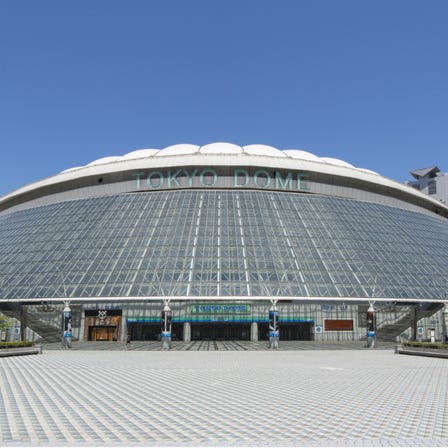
222	154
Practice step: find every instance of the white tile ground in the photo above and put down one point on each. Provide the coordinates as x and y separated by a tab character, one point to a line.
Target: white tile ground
222	398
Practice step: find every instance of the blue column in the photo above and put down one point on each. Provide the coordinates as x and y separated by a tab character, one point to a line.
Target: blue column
67	331
166	327
274	332
371	326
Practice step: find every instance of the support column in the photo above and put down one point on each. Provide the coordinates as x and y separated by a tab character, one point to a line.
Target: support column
166	326
23	321
67	326
371	326
124	327
187	332
254	331
82	325
414	322
274	332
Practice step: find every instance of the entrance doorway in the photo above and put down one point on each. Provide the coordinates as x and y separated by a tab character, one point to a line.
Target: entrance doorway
102	333
102	324
295	331
220	332
145	331
300	331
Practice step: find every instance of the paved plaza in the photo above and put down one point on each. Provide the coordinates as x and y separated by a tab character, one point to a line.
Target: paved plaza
223	398
209	345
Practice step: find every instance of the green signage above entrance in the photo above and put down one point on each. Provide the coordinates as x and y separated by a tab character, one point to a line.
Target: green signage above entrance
221	308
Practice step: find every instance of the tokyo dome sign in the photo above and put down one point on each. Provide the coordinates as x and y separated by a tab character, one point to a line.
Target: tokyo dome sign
223	177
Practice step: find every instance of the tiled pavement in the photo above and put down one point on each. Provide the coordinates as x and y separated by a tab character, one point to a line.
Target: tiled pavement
223	398
221	345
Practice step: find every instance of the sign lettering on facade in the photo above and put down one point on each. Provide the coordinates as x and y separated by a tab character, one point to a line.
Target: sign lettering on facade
208	177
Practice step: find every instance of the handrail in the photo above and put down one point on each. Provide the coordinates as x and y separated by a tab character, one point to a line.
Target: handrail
398	314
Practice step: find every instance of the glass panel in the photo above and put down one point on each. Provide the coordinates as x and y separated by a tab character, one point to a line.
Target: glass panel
225	243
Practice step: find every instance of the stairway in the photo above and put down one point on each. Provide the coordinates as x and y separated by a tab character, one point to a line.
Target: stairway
46	330
390	332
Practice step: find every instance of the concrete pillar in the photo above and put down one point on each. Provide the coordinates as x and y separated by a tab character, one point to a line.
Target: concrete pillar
254	331
82	325
124	327
187	332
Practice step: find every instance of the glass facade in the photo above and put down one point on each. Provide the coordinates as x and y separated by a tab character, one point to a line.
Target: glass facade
222	243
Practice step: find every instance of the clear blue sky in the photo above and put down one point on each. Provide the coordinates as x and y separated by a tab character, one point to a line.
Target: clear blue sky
362	81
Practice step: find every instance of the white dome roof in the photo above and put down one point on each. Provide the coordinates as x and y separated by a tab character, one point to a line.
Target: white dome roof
71	169
299	154
263	150
368	171
104	160
140	153
337	162
221	154
221	148
178	150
